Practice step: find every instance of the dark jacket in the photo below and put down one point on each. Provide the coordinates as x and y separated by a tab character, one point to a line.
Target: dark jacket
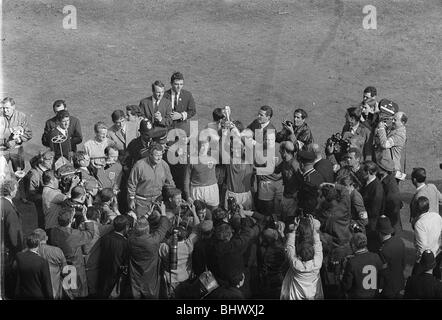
138	148
325	169
302	133
199	255
361	275
74	132
392	252
12	229
392	200
164	107
70	241
226	258
34	278
144	262
313	178
373	195
186	103
423	286
255	125
113	263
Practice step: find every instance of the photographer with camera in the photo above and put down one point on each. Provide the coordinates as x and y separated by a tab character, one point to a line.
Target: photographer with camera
53	198
358	135
297	131
390	137
144	261
14	132
186	239
82	164
226	252
113	279
304	252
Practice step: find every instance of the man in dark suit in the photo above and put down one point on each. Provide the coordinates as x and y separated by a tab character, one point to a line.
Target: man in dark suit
392	253
323	166
114	260
373	195
12	235
424	285
309	174
73	130
144	261
183	104
34	278
156	108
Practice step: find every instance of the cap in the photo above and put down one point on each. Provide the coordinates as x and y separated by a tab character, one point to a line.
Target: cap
306	156
384	225
388	107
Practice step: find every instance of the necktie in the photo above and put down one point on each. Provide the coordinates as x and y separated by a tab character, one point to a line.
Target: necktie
175	103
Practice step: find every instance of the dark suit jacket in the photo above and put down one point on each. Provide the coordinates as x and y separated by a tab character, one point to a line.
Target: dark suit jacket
392	200
355	273
74	132
325	169
34	278
165	108
12	228
373	195
113	255
392	253
144	262
185	103
423	286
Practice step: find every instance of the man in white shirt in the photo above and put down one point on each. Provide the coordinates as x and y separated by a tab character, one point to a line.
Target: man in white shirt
418	178
427	233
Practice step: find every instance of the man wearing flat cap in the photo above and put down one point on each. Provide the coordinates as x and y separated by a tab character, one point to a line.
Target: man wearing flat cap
392	253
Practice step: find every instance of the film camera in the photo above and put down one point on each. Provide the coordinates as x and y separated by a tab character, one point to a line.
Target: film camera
287	123
340	145
233	206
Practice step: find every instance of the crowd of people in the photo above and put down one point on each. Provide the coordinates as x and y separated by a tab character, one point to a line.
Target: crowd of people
128	214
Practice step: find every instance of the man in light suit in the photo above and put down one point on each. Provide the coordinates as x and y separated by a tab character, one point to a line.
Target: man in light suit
122	132
183	105
156	108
